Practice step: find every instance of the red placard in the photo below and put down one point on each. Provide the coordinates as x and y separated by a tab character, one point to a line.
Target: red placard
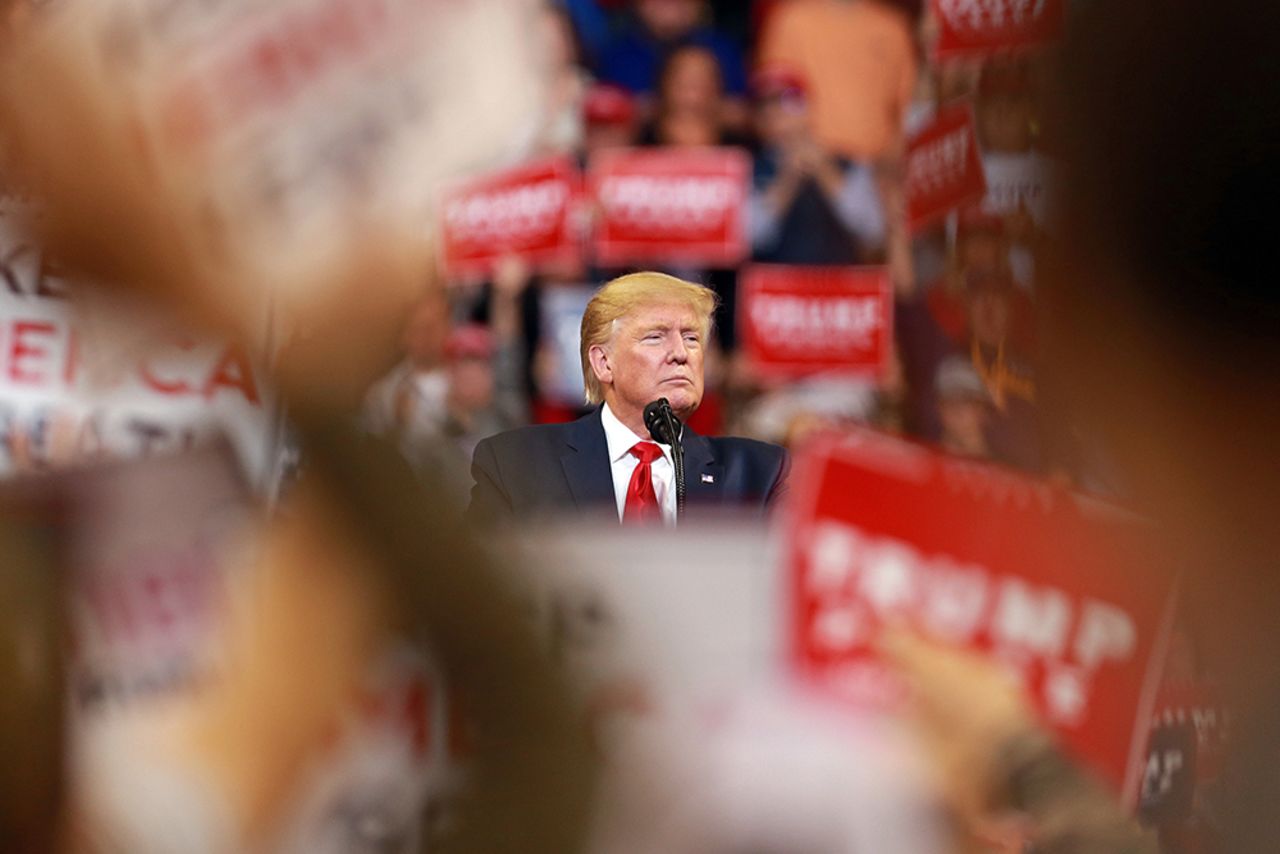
526	211
675	206
989	26
944	166
796	321
1065	593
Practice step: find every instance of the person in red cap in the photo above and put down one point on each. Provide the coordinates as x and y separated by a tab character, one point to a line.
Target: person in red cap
609	116
808	205
859	57
981	243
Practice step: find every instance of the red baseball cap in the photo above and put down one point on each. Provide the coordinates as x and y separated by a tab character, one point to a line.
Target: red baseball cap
779	81
606	104
471	341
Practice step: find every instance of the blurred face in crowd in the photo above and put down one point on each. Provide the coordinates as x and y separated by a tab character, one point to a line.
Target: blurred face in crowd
691	83
656	351
783	119
964	424
669	19
601	136
982	250
1004	122
989	315
428	326
470	384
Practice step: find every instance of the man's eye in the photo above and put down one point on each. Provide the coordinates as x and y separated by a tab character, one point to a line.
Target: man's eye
692	339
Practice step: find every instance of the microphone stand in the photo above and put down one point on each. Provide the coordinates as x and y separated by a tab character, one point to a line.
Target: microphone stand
677	459
664	427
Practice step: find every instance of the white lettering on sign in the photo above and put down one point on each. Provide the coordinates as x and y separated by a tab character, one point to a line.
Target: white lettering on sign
803	322
938	163
669	204
514	213
859	581
991	14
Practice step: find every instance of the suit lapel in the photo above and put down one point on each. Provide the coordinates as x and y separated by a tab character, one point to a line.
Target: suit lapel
703	475
586	462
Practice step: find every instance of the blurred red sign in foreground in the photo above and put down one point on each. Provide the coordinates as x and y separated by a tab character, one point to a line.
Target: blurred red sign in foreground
988	26
944	167
1064	593
526	211
670	206
797	321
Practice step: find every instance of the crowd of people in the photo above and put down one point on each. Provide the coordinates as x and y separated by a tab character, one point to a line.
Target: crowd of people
824	95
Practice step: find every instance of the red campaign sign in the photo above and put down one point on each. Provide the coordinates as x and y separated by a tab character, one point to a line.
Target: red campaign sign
670	206
526	211
796	321
1064	593
944	167
989	26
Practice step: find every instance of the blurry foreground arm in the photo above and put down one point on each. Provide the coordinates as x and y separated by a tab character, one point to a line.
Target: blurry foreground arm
995	758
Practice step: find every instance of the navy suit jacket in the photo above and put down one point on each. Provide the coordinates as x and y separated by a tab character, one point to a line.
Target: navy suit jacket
558	468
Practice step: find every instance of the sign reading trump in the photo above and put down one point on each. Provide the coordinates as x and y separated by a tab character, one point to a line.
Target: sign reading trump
670	206
944	167
1062	593
797	321
527	211
987	26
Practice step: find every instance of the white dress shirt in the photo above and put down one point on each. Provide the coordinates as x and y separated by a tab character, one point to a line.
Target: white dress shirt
622	463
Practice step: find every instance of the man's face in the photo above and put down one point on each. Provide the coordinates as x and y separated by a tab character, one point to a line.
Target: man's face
669	19
989	316
656	351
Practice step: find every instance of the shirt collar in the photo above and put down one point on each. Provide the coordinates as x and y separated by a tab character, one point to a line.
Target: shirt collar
621	438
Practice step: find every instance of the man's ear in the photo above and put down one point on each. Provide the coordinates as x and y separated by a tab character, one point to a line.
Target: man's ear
600	366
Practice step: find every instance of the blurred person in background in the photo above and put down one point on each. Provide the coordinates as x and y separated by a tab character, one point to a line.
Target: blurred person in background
689	107
635	56
1019	177
807	206
964	409
644	337
461	382
609	115
988	340
859	59
981	244
482	399
409	401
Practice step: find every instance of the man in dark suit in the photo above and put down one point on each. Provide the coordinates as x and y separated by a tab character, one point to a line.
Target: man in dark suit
643	338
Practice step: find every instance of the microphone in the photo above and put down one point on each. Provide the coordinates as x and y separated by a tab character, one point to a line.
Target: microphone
664	427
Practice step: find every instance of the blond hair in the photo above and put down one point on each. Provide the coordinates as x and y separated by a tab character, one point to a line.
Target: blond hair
619	297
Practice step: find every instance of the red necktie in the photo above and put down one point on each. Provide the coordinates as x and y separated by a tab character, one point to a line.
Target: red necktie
642	500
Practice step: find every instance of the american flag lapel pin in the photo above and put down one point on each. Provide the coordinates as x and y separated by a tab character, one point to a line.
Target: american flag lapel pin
708	478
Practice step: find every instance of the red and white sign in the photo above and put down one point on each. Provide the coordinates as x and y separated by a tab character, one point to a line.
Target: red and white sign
1064	594
670	206
944	167
527	211
988	26
796	321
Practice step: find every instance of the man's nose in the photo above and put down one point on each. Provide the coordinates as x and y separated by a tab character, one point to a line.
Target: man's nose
679	352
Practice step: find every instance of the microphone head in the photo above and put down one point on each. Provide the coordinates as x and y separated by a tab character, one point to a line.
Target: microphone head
661	421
